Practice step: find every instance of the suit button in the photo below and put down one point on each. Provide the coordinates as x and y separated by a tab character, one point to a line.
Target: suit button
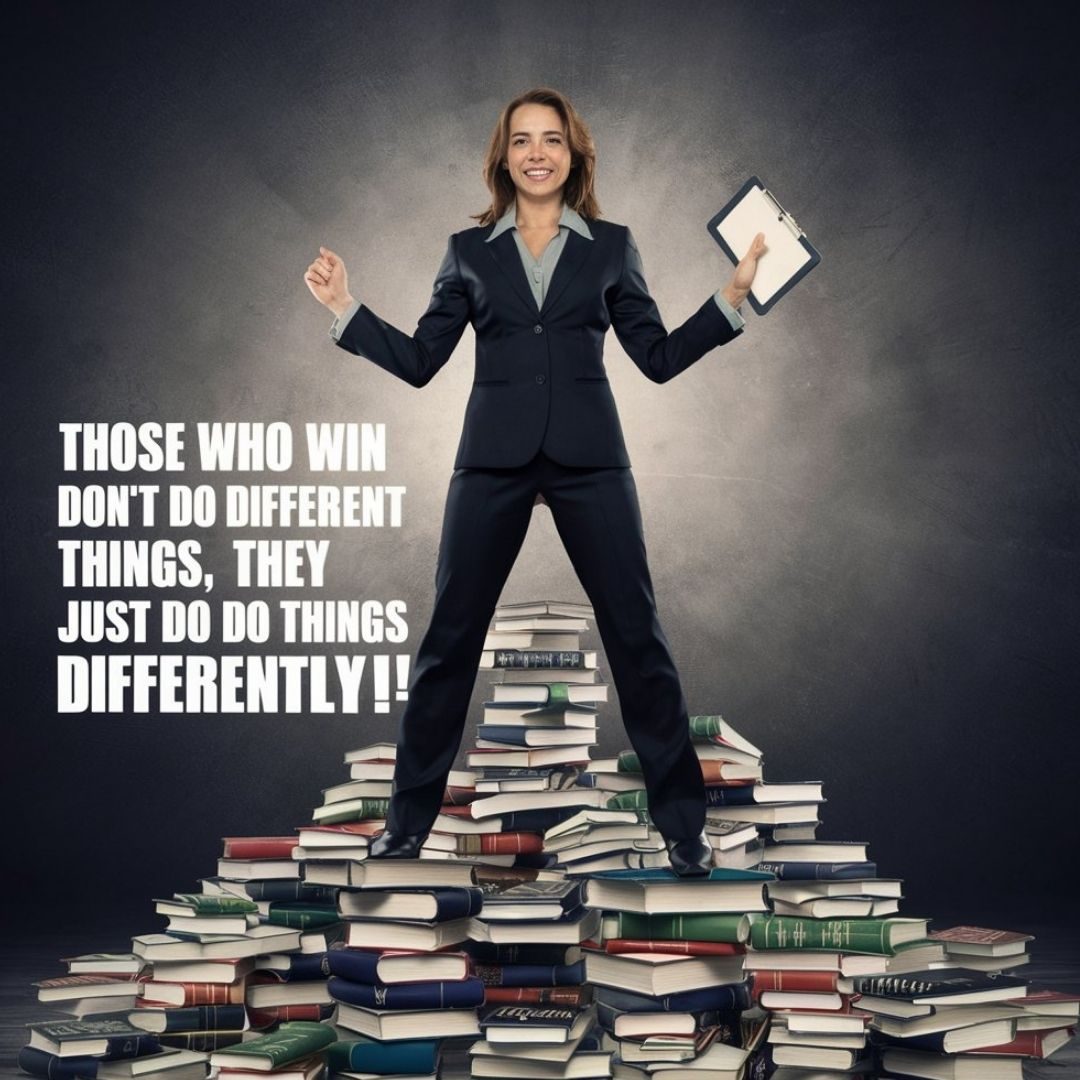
541	379
538	329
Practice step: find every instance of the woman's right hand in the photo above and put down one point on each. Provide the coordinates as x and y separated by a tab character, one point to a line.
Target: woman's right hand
328	282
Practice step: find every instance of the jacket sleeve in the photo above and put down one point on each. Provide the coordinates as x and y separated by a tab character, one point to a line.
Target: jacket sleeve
418	357
640	330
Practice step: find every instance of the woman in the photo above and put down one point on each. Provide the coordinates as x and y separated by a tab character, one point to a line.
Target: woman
541	279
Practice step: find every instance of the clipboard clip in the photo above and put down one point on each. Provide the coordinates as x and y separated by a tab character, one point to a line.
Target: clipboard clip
783	216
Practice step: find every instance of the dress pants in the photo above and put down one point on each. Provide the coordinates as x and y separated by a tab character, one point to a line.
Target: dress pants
598	519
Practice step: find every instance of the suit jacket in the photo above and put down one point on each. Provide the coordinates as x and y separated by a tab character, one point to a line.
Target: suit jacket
539	382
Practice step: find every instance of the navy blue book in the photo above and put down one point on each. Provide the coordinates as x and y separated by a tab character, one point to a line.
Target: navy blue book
536	860
722	998
40	1063
362	966
190	1018
539	820
300	967
415	1056
459	994
531	974
727	1020
284	891
109	1037
429	905
488	952
205	1042
810	871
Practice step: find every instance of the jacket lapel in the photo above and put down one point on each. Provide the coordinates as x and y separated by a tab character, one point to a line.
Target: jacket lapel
505	253
571	260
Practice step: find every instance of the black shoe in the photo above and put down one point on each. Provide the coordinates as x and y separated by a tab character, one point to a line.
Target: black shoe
392	845
690	858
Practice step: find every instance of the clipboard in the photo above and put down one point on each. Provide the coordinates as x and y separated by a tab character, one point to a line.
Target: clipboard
790	257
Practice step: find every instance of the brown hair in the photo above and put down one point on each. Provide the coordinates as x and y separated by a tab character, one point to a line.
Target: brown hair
578	193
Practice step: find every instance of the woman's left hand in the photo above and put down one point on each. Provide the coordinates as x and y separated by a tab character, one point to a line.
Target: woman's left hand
735	293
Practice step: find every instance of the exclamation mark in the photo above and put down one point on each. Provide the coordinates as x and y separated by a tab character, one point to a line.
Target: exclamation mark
402	678
381	666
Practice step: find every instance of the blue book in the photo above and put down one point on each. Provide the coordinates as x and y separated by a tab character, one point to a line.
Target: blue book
536	820
718	873
300	967
722	998
488	952
191	1018
415	1056
40	1063
531	974
810	871
459	994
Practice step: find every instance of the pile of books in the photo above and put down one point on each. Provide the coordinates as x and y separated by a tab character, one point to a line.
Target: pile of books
542	934
668	975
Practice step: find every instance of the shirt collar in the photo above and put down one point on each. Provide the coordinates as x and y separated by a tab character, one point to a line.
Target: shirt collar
569	219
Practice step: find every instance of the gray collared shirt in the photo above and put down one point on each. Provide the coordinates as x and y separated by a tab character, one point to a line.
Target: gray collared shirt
539	271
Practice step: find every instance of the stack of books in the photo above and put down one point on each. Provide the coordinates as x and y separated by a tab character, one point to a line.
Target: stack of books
106	1046
294	1051
668	977
963	1022
543	917
402	974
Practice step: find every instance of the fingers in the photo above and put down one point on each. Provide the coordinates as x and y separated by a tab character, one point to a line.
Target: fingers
329	256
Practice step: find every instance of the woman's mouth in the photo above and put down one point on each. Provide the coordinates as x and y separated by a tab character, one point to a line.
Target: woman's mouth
538	174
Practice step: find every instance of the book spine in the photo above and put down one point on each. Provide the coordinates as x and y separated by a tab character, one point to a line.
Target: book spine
416	1056
844	935
129	1046
730	928
204	1018
290	890
795	981
276	1014
460	994
682	947
530	974
258	847
504	843
538	658
198	994
203	1042
572	996
809	871
305	967
302	916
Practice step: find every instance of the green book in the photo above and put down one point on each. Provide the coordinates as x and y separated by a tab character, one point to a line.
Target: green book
732	928
292	1041
878	937
301	916
638	799
201	904
628	761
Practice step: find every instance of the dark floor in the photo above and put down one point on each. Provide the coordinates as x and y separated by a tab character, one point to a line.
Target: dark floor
1055	963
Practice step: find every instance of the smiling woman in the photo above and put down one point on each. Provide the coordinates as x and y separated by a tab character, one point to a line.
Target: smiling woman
541	279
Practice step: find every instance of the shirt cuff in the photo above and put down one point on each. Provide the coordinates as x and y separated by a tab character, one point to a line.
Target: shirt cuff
339	324
732	316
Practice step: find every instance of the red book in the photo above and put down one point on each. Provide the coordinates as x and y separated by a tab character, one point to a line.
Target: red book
684	948
258	847
507	843
261	1018
803	982
156	994
572	996
1034	1044
459	796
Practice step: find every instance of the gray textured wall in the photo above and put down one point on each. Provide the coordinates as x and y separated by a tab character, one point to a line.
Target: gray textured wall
861	515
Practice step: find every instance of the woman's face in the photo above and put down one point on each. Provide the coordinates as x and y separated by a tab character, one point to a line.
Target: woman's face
537	154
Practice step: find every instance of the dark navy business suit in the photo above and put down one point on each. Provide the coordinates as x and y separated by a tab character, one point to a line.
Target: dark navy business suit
541	419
